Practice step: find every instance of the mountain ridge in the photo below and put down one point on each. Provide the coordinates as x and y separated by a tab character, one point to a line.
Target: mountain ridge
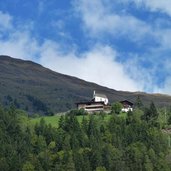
38	89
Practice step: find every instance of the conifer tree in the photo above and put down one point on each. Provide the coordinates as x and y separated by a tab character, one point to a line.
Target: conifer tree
138	103
153	111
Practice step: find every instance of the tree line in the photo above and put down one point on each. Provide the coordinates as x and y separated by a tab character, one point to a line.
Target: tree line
133	143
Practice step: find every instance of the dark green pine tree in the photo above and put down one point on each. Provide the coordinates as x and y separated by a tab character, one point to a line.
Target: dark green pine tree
78	160
150	114
84	124
153	110
96	157
69	164
86	158
62	122
138	103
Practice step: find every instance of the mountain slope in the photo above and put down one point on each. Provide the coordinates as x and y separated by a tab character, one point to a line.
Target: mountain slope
37	89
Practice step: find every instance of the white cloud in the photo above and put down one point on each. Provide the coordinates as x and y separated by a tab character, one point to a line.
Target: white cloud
20	45
5	21
155	5
98	18
97	65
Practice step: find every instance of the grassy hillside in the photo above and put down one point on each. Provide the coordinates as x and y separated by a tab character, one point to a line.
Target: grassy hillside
36	89
163	118
54	120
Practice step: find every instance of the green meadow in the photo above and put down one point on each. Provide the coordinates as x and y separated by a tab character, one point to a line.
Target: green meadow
54	120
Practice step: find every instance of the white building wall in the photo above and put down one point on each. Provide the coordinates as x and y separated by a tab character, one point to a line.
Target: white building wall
127	109
101	99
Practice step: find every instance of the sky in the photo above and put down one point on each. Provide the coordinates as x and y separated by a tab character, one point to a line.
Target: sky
120	44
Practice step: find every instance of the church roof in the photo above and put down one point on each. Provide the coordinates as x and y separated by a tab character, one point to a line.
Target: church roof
126	102
100	95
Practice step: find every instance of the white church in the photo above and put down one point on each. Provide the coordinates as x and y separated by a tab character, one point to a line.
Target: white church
100	98
98	103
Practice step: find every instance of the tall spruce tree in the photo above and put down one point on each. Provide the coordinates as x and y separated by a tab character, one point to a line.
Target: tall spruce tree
153	111
138	103
150	113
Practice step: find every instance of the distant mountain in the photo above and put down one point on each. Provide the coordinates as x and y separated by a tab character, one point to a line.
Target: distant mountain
35	88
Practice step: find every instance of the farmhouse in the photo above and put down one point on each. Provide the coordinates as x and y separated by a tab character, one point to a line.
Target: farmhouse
98	103
91	106
127	106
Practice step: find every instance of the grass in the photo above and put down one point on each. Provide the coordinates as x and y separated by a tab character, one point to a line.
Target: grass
54	120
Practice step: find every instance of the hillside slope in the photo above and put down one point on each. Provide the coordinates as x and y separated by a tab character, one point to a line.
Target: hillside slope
37	89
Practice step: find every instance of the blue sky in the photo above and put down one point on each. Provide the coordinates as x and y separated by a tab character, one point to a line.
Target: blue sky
121	44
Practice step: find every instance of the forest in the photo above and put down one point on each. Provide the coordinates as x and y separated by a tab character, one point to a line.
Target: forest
132	143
